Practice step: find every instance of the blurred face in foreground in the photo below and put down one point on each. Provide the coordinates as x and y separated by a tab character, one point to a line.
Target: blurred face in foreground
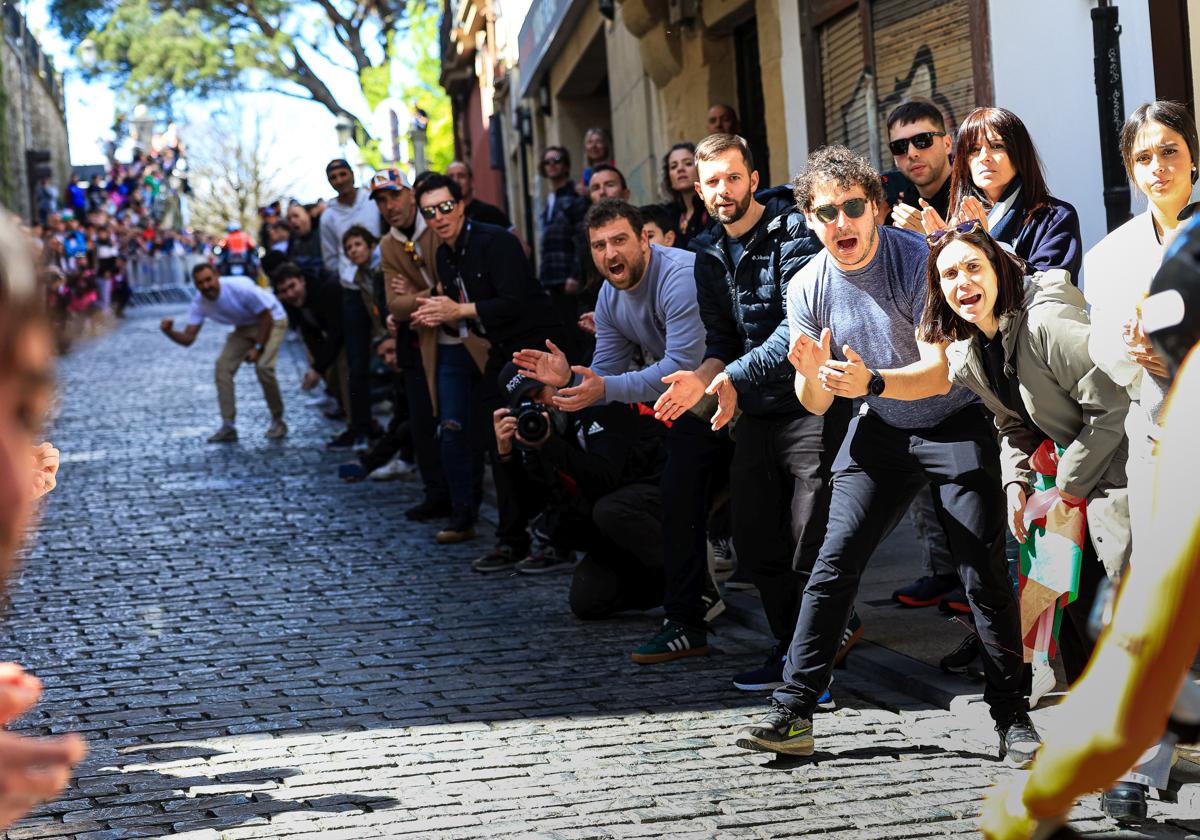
26	391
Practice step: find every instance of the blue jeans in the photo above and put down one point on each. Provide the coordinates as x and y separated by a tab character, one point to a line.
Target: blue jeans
458	428
356	324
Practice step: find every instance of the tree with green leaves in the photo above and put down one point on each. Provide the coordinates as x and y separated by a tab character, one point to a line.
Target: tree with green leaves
160	52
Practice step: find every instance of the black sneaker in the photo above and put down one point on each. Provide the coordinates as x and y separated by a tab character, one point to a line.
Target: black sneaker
1019	740
427	510
548	559
959	660
955	603
780	730
1125	803
499	559
767	676
713	605
345	440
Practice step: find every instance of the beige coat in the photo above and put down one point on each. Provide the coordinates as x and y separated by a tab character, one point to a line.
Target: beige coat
1068	398
416	262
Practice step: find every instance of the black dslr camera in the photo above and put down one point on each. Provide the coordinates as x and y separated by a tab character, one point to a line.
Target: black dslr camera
533	423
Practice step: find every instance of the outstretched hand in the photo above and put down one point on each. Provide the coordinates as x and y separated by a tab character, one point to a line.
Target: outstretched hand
727	399
589	390
684	391
550	368
846	379
46	460
808	355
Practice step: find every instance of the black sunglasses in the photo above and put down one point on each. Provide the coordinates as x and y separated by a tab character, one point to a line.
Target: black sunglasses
922	141
551	160
446	207
853	208
962	227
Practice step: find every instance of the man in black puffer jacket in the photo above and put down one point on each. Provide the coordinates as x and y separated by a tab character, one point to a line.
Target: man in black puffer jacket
782	454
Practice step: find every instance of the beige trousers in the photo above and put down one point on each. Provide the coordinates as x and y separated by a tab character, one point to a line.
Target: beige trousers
238	343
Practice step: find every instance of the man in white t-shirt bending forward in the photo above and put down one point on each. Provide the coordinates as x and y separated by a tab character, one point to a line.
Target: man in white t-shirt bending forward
259	324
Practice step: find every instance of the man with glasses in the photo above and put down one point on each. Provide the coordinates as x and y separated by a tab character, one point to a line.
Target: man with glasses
920	146
853	312
782	452
486	289
561	220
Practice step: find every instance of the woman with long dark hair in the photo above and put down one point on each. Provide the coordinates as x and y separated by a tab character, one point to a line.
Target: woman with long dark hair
1021	343
679	186
997	178
1159	148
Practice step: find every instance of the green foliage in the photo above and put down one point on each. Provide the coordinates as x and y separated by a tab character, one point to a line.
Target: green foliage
162	53
420	67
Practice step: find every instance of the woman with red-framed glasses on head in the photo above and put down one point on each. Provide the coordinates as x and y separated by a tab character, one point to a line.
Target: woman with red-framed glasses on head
997	178
1020	342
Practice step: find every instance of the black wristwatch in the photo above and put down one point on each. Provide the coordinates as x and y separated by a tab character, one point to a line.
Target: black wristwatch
876	385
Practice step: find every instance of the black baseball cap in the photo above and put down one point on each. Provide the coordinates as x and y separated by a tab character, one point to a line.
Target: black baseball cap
338	163
516	387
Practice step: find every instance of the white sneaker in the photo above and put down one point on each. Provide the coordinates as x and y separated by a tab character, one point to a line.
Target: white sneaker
721	551
1044	680
393	469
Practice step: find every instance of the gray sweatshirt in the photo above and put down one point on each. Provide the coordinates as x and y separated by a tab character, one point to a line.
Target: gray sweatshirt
658	317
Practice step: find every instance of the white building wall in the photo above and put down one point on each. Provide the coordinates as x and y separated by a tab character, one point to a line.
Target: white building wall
794	103
1042	69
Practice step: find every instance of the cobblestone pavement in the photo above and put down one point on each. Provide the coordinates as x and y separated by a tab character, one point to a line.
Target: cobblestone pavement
254	649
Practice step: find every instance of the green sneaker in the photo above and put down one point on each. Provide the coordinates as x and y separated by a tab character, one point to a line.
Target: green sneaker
780	730
672	642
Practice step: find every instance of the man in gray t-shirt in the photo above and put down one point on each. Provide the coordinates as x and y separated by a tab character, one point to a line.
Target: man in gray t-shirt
865	294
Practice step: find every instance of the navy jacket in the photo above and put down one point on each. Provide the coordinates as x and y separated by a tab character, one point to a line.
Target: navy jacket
743	307
560	230
514	311
1049	240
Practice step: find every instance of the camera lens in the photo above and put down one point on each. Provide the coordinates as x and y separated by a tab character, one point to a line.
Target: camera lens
532	425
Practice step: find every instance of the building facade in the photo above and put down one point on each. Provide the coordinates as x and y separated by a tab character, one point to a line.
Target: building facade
32	115
803	73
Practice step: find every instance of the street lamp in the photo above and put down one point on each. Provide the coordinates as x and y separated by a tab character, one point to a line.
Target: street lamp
345	130
87	54
416	133
143	125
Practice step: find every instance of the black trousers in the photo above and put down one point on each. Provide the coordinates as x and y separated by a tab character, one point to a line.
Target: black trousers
779	487
423	426
356	326
875	476
694	451
623	566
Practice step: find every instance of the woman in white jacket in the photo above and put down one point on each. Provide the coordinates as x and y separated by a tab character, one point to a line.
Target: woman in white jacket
1159	147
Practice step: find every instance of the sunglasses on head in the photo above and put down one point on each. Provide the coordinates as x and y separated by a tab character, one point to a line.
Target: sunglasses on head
922	141
968	226
853	208
445	208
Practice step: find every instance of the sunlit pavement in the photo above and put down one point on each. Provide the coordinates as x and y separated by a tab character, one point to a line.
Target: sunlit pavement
254	649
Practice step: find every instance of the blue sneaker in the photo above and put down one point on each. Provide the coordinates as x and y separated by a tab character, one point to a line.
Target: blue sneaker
826	703
926	591
766	677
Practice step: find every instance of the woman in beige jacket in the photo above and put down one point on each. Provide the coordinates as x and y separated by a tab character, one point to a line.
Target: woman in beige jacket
1021	344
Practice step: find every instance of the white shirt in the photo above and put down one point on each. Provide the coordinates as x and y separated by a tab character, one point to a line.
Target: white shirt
238	304
335	221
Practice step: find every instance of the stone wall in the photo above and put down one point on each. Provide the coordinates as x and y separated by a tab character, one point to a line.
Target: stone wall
31	116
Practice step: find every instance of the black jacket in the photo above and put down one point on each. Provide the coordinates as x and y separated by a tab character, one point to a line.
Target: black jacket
601	449
320	322
743	306
489	263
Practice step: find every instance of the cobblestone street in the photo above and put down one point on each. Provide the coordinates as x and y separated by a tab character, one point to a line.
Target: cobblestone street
255	649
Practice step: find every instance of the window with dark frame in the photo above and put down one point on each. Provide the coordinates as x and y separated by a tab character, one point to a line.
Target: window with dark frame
864	57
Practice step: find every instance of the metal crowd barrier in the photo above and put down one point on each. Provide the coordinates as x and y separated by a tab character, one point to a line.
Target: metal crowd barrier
161	278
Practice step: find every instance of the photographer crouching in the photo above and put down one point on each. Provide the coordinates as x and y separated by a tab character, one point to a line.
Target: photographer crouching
592	476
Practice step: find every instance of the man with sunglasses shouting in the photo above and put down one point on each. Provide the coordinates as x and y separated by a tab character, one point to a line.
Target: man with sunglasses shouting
485	289
780	470
853	312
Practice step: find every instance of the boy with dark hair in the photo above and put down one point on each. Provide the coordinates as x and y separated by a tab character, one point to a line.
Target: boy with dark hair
659	224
